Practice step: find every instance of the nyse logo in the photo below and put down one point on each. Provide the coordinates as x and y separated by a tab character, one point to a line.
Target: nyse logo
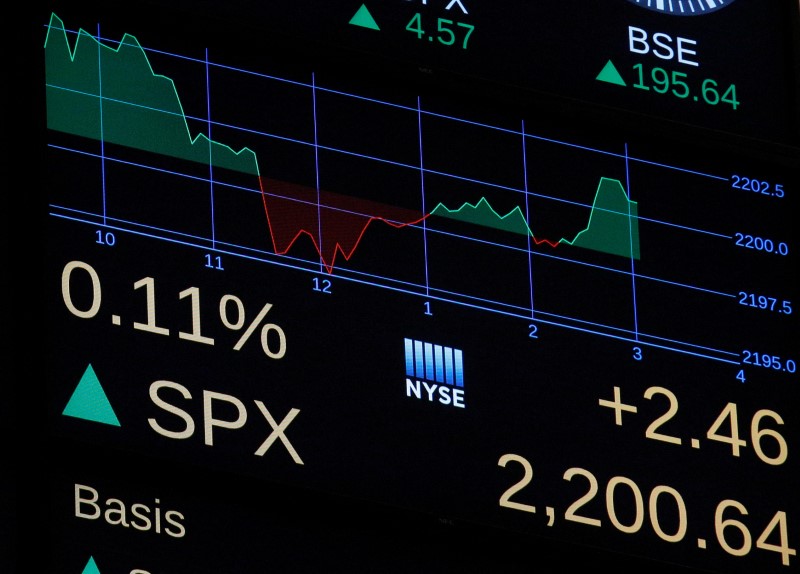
434	373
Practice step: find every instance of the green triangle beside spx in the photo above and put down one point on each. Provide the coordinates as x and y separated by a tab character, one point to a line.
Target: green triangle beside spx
610	74
89	401
91	567
364	19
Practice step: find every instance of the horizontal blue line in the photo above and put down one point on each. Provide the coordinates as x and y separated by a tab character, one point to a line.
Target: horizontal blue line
413	109
417	168
278	260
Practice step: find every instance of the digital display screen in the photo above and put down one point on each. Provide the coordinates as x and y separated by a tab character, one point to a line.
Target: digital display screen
419	286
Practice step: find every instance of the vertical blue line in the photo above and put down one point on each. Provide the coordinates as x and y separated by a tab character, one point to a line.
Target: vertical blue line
316	170
102	129
210	156
448	366
429	361
527	216
437	357
459	357
630	235
422	189
419	364
409	357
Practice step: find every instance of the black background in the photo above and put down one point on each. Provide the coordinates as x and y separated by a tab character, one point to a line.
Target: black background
377	497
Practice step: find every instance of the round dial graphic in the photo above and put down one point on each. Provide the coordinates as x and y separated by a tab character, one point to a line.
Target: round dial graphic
683	7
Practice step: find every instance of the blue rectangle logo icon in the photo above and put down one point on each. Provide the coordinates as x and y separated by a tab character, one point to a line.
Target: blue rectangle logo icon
434	363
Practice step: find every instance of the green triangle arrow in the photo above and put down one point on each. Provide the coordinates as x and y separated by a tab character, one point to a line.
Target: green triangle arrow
89	402
91	567
364	19
610	74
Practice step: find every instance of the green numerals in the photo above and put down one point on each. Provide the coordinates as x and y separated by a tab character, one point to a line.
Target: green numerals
446	32
679	85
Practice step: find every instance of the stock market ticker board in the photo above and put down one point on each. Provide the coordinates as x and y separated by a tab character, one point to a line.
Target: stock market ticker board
417	286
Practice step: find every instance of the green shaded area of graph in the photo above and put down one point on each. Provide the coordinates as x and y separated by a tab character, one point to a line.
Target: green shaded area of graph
113	95
613	222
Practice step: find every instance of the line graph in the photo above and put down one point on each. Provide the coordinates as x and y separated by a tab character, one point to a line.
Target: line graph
612	226
113	94
293	211
314	177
